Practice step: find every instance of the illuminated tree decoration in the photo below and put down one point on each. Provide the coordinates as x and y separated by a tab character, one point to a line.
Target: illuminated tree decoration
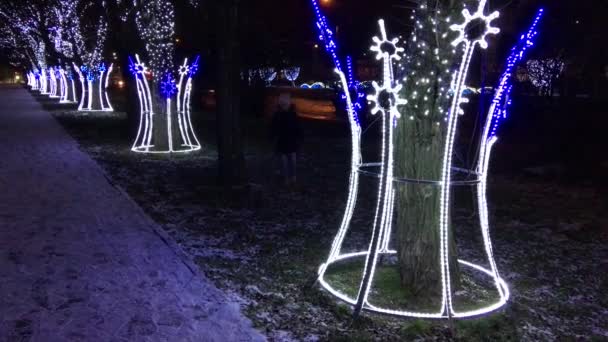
292	74
35	80
43	88
155	21
53	83
165	124
32	81
543	73
67	86
386	101
94	83
268	75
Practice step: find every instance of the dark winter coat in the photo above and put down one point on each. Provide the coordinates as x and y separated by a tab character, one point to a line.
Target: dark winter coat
286	131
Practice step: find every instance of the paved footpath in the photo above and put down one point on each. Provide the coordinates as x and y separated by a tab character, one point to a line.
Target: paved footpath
79	260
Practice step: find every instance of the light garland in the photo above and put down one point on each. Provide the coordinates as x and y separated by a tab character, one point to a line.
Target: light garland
543	73
326	35
176	95
25	26
386	100
156	25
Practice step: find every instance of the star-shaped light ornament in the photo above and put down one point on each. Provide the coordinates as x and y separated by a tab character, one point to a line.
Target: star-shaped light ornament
167	86
470	25
137	68
184	69
384	47
386	99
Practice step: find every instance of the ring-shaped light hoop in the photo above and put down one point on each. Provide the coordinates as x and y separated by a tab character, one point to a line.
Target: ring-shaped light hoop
503	291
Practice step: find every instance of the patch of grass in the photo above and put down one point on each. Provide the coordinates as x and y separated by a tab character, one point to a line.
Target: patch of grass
387	291
416	329
491	328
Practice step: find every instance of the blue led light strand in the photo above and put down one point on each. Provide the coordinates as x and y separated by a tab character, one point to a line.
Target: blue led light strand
326	35
501	100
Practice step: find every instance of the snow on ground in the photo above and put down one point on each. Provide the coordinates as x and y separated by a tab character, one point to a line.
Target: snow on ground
80	261
264	246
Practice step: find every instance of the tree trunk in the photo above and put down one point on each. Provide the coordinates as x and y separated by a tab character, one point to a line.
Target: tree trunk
230	150
419	150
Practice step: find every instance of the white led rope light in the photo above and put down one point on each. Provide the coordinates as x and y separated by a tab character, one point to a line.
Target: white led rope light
83	89
107	106
63	86
43	82
34	81
387	106
53	83
29	79
469	49
143	142
381	233
326	36
73	95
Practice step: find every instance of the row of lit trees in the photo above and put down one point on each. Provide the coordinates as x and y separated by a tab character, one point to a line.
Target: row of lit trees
40	33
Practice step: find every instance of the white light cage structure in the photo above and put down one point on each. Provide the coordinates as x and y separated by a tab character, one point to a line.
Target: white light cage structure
31	80
43	82
387	100
94	81
165	114
67	86
53	83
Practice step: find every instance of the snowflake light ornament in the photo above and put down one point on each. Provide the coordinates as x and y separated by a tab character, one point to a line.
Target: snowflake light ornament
167	86
386	99
184	69
137	68
384	47
470	26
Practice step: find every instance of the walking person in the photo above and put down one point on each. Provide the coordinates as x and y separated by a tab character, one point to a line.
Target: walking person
286	133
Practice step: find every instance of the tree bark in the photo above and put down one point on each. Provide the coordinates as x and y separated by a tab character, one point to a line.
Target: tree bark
231	161
419	150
